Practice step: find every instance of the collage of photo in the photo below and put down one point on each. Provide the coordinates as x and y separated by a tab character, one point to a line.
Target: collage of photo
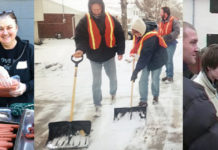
108	75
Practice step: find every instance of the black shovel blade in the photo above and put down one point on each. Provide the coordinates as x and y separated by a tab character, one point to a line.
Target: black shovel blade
121	112
62	134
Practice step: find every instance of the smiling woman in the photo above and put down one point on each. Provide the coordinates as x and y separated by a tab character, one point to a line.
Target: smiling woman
16	63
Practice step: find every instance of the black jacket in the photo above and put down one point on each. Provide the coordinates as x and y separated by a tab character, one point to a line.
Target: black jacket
200	123
186	72
104	53
24	53
152	55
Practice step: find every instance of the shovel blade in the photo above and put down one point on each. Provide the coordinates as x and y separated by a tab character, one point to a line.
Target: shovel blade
64	134
132	111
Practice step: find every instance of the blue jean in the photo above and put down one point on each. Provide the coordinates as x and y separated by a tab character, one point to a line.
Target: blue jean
143	83
110	69
170	51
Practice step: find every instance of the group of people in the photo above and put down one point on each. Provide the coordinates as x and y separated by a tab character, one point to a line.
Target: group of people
100	36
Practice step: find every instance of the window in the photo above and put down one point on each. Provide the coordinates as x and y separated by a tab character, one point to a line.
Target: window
214	6
212	39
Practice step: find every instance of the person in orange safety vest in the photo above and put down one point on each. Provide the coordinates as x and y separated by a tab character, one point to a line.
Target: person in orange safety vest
151	49
100	36
169	29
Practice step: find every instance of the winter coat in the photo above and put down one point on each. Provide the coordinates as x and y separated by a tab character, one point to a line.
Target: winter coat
103	53
173	35
23	65
200	123
209	88
186	72
152	55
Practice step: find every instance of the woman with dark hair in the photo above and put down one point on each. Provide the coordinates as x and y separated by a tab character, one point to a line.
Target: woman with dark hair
209	74
16	59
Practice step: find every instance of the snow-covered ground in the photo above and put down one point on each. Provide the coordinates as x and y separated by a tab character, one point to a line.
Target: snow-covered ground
162	129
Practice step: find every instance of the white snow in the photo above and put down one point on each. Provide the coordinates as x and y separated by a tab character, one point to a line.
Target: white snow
162	129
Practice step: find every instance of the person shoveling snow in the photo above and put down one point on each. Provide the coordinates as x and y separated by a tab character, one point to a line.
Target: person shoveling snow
100	52
151	49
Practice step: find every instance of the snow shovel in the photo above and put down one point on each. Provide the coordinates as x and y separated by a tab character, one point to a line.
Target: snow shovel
69	134
136	110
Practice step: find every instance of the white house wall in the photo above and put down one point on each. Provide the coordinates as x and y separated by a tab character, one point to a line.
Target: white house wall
188	11
204	21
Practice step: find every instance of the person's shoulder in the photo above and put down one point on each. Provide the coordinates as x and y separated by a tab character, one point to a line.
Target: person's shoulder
191	84
84	16
114	18
31	46
23	42
193	91
83	20
153	39
175	20
28	46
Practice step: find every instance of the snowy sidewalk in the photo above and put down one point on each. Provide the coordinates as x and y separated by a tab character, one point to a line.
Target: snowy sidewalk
53	93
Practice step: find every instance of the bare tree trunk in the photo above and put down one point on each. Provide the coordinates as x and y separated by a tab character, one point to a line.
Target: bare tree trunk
124	17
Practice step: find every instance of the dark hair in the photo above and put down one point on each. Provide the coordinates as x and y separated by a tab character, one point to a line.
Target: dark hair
9	13
210	58
91	2
166	10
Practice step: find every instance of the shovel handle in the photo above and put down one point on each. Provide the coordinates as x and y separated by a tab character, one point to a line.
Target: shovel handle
74	85
76	62
132	83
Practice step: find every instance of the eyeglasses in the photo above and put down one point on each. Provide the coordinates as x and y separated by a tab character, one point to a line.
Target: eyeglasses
6	12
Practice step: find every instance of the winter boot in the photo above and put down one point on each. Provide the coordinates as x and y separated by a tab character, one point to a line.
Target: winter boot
143	104
164	79
155	100
97	111
169	80
113	99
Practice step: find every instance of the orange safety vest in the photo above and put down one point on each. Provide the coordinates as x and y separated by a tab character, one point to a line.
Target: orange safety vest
94	33
137	47
167	27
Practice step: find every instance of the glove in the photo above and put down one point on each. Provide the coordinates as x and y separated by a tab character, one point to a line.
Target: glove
21	89
134	75
4	77
3	73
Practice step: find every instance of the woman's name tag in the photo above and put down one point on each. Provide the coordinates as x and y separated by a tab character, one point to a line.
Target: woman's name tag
22	65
